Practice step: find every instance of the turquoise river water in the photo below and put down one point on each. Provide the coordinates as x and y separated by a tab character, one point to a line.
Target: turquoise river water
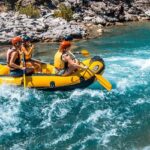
91	118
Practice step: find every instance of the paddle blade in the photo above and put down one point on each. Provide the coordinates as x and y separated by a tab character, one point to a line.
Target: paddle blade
105	83
85	53
24	78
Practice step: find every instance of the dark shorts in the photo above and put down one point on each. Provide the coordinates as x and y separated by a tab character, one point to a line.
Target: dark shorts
19	72
28	60
16	73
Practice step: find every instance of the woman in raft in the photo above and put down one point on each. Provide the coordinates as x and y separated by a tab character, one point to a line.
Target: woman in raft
27	50
64	62
13	59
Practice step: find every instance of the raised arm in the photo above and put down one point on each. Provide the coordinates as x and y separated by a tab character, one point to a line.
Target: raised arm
27	52
71	62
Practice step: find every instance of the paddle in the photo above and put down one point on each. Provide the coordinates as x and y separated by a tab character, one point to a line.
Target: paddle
24	71
39	61
105	83
84	52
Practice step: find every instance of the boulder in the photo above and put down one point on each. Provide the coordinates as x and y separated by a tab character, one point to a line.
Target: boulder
77	16
130	17
147	13
88	19
99	20
99	7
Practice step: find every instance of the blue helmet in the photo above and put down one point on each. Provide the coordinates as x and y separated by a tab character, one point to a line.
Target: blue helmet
68	38
26	38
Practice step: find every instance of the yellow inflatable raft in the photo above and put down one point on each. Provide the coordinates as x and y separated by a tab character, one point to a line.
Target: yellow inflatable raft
47	80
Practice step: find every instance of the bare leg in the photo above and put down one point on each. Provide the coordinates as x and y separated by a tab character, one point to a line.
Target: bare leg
69	71
36	65
29	71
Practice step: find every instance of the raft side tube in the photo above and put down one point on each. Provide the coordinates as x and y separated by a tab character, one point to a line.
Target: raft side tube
47	81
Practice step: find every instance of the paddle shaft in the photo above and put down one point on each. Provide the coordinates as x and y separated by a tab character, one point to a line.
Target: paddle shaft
88	68
84	53
24	71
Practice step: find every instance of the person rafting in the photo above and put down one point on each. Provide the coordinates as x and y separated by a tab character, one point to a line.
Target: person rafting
64	62
27	50
13	59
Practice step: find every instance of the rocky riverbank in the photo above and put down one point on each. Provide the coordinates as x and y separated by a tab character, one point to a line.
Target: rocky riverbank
89	18
45	28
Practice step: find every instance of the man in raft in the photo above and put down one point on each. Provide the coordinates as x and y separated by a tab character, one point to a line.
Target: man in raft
13	59
64	62
27	50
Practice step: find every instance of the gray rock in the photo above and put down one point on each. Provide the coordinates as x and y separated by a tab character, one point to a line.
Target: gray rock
88	19
98	7
129	17
47	28
89	13
77	16
147	13
99	20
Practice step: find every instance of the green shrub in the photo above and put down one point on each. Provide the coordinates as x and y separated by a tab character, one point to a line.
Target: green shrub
64	12
29	10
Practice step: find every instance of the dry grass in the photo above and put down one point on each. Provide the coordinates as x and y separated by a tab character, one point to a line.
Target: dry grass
29	10
64	12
